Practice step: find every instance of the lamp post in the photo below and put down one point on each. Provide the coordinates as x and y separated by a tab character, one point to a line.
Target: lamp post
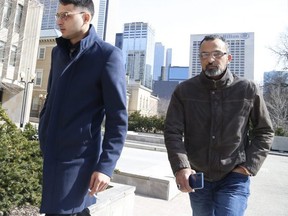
24	100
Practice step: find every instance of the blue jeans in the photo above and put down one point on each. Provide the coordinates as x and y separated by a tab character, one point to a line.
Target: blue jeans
226	197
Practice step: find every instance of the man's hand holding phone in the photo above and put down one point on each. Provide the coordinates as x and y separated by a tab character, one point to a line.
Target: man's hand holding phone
188	180
196	180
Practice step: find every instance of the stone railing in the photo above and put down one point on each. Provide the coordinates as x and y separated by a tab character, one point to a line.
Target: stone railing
118	200
280	144
115	201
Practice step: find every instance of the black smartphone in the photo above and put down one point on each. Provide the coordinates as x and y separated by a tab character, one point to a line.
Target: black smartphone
196	180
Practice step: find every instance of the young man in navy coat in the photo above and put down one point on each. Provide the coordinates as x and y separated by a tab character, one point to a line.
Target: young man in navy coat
87	82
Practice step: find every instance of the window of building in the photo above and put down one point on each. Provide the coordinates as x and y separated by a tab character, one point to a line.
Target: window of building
41	53
35	104
2	51
140	102
18	20
39	77
6	14
13	56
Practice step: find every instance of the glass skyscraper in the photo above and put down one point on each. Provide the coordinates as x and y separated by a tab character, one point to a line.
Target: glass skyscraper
158	60
101	26
168	62
138	51
50	9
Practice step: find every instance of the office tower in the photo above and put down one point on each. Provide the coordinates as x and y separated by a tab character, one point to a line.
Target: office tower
241	46
158	60
168	61
138	52
102	18
50	9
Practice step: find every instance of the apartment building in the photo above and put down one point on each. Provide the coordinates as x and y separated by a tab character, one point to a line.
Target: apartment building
20	23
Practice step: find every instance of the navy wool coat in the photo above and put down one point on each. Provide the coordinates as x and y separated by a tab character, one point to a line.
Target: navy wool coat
81	92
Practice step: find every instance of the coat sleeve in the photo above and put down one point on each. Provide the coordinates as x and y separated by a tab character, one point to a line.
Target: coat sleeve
262	134
113	82
173	134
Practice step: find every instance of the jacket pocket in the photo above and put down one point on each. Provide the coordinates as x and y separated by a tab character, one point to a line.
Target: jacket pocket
226	164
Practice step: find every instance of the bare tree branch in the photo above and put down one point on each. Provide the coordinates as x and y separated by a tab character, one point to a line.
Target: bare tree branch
281	50
276	97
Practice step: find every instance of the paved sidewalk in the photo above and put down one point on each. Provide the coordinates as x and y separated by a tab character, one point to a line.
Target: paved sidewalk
269	194
178	206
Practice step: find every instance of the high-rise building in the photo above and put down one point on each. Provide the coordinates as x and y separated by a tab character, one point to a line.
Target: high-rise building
241	46
138	52
158	60
168	62
102	18
50	9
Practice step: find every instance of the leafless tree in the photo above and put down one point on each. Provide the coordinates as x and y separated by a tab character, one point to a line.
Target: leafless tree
281	50
276	96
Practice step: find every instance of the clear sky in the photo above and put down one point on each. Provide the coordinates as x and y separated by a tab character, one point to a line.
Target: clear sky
174	22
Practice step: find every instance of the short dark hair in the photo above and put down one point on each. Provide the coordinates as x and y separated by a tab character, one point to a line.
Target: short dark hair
86	4
214	37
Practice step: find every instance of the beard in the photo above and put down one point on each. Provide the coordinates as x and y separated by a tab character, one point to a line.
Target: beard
213	72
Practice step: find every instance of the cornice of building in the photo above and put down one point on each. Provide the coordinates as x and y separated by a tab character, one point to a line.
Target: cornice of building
47	40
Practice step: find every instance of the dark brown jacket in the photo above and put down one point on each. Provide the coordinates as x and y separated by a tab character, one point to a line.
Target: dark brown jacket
213	117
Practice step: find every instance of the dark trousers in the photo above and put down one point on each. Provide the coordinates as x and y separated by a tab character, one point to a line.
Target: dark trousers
60	214
85	212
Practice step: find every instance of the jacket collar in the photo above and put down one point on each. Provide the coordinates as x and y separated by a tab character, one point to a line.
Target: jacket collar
225	81
84	43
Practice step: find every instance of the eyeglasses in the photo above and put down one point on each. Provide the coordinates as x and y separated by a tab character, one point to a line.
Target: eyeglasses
215	54
65	15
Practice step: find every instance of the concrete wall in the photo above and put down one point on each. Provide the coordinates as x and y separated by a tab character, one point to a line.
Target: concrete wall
158	187
115	201
145	137
280	144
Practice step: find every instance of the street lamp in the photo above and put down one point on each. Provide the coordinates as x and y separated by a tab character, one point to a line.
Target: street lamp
42	101
24	100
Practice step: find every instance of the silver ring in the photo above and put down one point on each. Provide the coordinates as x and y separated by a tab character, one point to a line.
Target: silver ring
178	186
